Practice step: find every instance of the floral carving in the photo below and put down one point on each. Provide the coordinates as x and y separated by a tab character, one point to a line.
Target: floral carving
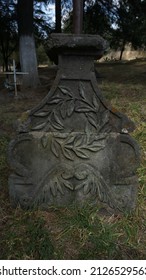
88	180
64	107
65	104
79	145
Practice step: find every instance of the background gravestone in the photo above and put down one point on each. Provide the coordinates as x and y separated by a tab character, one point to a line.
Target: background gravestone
74	148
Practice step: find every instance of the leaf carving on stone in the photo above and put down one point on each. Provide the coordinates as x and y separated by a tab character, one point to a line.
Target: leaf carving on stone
82	91
83	105
70	140
42	114
59	187
91	109
79	140
56	122
105	116
55	100
54	186
93	182
95	148
82	178
39	126
65	104
70	107
92	119
53	120
80	186
67	153
55	148
63	110
53	189
56	126
87	188
95	103
85	108
44	141
65	91
104	119
68	185
80	153
75	145
57	119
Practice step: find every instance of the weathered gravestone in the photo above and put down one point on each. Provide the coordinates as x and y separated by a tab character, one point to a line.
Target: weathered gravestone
74	148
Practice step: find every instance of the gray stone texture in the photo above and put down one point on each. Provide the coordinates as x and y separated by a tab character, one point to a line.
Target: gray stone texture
74	148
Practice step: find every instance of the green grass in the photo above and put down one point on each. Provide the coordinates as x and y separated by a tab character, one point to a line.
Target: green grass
25	237
86	233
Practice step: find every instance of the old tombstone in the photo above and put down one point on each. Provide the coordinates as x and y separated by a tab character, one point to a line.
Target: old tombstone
74	148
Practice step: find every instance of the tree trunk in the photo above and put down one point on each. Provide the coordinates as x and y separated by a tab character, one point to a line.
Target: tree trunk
122	50
58	16
28	61
27	50
4	56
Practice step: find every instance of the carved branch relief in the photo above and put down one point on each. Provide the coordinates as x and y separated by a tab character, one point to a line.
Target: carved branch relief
73	144
61	178
79	145
87	180
65	104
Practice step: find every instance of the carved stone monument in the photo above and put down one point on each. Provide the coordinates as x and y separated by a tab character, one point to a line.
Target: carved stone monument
74	147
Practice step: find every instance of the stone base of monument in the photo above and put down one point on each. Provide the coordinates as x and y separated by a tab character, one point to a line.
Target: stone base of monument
74	148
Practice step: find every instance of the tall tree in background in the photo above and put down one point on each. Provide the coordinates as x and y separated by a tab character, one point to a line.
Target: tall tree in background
8	31
27	50
130	25
58	16
61	7
128	17
97	17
